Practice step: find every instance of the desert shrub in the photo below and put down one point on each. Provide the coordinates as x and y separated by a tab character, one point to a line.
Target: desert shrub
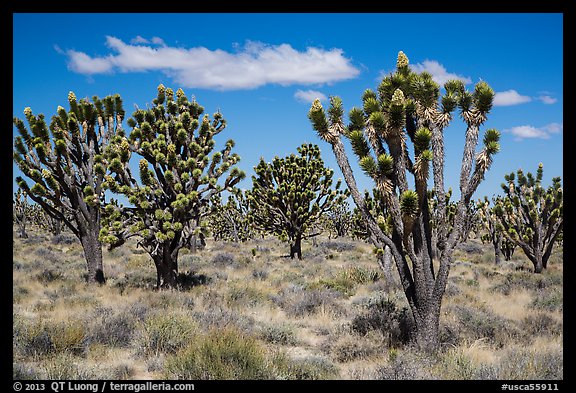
482	324
121	371
24	372
223	259
296	301
341	284
190	261
46	255
63	366
218	317
304	368
63	238
548	300
114	329
396	325
244	296
49	275
526	280
40	338
165	333
219	354
338	245
540	324
529	364
281	334
361	275
30	338
189	280
18	293
260	274
470	248
138	310
155	363
347	348
455	364
69	336
405	365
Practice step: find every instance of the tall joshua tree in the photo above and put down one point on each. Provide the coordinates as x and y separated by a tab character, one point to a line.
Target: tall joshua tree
290	194
407	107
179	172
66	165
531	216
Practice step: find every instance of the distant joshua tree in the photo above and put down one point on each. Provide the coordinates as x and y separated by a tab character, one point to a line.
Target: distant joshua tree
66	165
290	194
530	215
407	107
179	172
493	235
21	212
230	221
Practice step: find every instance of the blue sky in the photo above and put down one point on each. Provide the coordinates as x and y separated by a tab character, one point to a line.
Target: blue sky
263	70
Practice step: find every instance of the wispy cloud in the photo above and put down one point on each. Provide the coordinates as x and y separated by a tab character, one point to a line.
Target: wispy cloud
251	66
439	73
308	96
546	99
510	97
527	131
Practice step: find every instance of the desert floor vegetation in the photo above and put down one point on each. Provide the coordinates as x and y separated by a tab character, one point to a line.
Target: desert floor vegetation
248	311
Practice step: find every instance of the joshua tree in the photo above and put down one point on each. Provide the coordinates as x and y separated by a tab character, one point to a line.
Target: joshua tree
21	212
178	176
406	108
290	194
338	220
67	167
531	216
230	221
502	246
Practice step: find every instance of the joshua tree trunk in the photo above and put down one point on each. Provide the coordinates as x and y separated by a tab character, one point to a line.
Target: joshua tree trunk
92	251
166	267
296	247
22	230
497	242
385	262
427	331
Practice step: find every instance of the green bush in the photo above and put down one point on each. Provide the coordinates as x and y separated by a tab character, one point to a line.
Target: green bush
166	333
220	354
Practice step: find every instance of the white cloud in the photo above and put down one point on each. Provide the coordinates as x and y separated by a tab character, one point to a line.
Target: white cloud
254	65
438	72
510	97
308	96
83	64
139	40
546	99
157	41
527	131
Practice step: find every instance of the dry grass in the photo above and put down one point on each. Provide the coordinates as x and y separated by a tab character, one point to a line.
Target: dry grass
284	319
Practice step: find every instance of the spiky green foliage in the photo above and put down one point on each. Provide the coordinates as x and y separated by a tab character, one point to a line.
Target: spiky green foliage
530	215
396	134
493	233
230	221
179	169
65	163
290	194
